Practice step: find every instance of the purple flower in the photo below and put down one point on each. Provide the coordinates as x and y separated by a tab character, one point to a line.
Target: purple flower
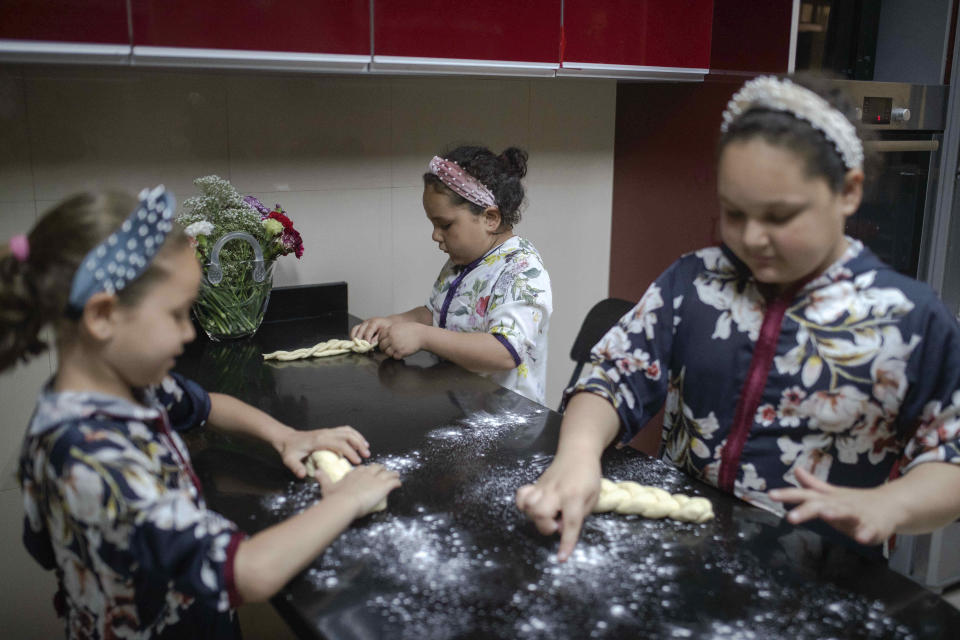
254	202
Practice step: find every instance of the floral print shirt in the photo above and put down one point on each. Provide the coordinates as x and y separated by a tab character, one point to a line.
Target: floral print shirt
854	377
113	506
505	293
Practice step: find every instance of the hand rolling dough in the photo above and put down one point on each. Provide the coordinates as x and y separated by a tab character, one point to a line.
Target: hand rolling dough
335	466
651	502
323	349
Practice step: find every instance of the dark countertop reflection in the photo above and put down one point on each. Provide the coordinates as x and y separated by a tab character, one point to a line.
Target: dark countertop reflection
452	558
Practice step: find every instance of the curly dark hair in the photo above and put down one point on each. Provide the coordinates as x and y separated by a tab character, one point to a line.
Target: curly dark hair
499	173
34	293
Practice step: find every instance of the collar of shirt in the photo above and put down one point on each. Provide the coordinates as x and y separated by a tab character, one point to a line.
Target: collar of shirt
56	407
510	244
855	259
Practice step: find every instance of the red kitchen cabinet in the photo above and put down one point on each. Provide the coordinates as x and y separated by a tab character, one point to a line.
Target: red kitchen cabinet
91	21
86	31
334	34
750	36
637	38
495	36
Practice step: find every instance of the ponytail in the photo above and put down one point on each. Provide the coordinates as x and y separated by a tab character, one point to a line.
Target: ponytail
21	312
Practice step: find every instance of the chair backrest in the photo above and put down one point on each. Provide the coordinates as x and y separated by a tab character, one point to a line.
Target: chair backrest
597	322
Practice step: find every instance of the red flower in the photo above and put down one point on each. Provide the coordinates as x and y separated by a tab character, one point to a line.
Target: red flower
482	306
653	370
281	218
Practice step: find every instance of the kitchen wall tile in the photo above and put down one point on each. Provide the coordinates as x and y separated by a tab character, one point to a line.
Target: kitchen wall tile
18	392
124	129
302	132
431	115
571	130
574	246
347	236
416	258
26	593
16	176
16	217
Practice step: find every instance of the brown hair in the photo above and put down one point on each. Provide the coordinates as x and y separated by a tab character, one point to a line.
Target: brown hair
34	293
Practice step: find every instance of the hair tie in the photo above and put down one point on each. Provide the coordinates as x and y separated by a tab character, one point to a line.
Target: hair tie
461	182
20	247
773	93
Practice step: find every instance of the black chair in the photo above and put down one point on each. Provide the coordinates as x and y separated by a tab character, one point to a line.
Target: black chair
598	321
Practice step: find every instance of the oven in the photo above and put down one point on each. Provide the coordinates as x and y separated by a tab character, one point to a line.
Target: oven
901	221
906	123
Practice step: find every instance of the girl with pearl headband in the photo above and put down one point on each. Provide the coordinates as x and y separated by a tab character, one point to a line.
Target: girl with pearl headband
490	307
111	500
799	372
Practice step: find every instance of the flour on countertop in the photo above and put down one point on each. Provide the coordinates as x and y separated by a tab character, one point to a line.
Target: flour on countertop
427	575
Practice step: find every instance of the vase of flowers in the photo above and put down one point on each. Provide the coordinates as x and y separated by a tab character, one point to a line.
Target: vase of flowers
237	240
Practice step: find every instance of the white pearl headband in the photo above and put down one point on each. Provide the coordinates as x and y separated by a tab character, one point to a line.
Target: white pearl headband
769	92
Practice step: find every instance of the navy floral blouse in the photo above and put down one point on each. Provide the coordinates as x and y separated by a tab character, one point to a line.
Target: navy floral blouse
114	507
855	376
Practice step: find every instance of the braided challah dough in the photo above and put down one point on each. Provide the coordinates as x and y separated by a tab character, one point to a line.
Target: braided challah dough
329	348
651	502
335	466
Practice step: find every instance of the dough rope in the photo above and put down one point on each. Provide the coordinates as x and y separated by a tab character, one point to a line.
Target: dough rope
329	348
335	466
651	502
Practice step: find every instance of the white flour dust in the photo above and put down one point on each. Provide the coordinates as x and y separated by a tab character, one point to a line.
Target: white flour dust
483	571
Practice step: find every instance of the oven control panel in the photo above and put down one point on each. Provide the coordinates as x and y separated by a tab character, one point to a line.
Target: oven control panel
876	110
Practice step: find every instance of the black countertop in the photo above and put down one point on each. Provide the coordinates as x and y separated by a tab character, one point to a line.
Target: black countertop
452	557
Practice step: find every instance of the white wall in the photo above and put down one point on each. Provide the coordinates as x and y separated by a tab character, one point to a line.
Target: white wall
344	155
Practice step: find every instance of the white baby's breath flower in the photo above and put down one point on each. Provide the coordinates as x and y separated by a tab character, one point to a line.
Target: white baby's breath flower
199	228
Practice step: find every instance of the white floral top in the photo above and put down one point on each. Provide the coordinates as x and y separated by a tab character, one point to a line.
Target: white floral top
505	293
855	377
114	507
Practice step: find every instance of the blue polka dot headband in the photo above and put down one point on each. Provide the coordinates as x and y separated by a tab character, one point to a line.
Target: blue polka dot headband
125	254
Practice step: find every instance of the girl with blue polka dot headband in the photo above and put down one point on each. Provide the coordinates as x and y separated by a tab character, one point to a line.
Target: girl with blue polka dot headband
103	467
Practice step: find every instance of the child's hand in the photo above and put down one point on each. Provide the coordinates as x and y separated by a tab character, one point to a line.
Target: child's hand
401	339
858	513
365	486
560	499
371	329
297	445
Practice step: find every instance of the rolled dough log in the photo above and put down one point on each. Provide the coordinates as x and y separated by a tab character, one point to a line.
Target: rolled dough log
322	349
335	466
651	502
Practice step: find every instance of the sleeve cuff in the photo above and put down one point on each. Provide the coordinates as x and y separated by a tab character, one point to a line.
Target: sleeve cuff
228	574
513	352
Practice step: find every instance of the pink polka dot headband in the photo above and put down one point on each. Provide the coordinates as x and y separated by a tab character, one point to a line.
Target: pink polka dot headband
461	182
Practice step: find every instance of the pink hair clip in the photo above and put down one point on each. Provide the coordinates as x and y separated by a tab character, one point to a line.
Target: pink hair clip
20	247
461	182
